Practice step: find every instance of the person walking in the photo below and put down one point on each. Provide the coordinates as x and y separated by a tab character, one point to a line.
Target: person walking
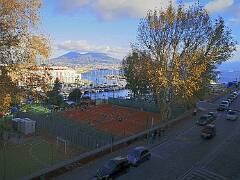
195	112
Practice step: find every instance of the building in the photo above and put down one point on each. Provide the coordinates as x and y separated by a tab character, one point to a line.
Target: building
25	125
64	74
50	73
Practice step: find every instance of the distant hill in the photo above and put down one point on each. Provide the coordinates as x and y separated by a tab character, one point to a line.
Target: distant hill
75	58
229	66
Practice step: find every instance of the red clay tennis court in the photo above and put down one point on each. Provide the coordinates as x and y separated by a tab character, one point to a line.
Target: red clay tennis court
114	119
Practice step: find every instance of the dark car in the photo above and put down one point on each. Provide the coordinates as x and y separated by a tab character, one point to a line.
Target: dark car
208	131
113	168
232	115
233	96
230	99
205	119
224	105
138	155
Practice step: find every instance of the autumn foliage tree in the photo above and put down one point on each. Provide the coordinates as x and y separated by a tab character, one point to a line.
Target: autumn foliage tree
20	42
178	49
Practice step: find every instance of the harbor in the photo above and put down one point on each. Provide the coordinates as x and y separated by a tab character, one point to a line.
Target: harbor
102	84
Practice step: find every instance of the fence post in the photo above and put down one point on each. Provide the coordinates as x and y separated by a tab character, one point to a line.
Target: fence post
147	129
152	122
112	140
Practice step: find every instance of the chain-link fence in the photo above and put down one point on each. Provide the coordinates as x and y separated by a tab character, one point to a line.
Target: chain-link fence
22	155
137	104
75	133
145	106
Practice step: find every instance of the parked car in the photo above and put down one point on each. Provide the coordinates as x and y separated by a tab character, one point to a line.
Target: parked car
205	119
236	93
208	131
230	99
224	105
213	114
233	95
138	155
232	115
113	168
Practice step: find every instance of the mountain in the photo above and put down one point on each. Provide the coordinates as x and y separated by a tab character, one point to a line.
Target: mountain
76	58
229	66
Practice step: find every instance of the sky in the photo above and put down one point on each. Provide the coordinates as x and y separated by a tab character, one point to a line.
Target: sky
110	26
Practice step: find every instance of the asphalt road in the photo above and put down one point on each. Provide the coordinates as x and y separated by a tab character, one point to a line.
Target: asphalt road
184	155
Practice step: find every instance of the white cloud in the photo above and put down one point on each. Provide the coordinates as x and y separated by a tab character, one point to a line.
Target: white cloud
236	56
218	5
68	5
235	20
110	9
85	46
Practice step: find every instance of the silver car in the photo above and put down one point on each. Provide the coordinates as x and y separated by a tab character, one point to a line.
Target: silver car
224	105
232	115
236	93
205	119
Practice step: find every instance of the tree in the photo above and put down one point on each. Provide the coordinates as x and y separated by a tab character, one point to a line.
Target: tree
133	69
57	86
6	103
20	42
54	96
179	49
8	89
75	95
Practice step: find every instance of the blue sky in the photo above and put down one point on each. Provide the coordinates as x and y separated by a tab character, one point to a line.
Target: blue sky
109	26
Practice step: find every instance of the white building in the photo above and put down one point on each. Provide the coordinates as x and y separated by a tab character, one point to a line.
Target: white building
64	74
25	125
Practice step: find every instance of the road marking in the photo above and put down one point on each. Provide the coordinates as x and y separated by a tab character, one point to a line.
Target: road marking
157	156
170	139
208	158
186	139
205	175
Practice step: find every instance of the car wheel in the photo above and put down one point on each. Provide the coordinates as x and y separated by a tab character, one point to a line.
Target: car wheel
136	164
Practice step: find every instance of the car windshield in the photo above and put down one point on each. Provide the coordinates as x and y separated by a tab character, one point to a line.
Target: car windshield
203	117
224	102
231	112
110	164
135	153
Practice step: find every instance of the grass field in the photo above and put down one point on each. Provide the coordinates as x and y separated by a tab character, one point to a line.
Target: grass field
24	159
35	108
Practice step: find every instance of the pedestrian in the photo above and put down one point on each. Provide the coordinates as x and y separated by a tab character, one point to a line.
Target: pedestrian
152	138
195	112
155	134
